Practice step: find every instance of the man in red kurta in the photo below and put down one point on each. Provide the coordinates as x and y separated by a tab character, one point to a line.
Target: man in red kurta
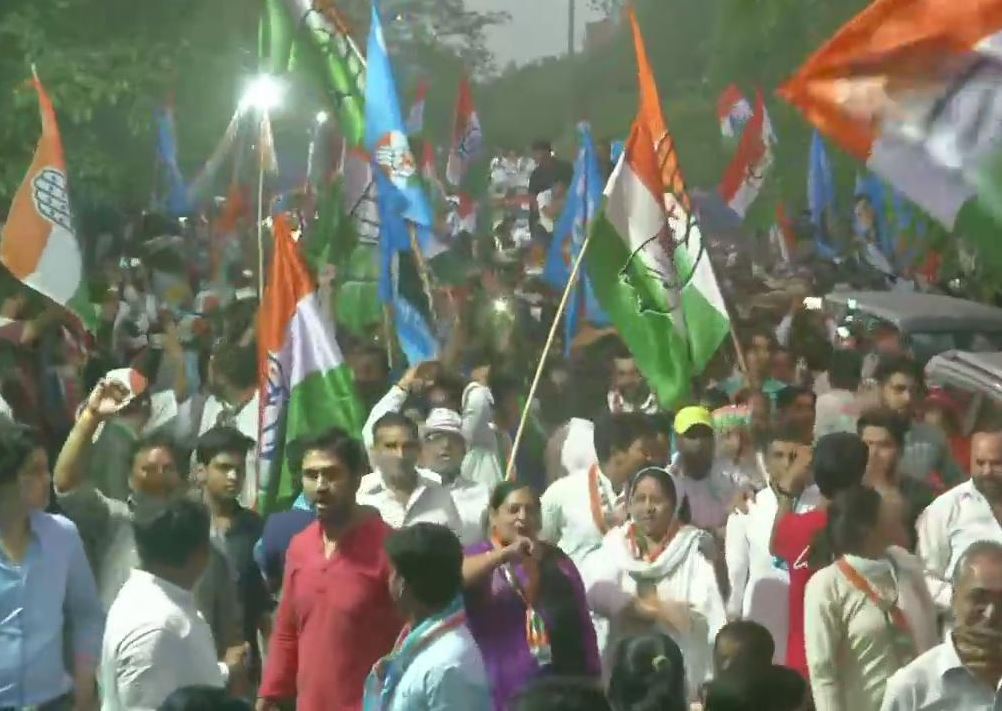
336	617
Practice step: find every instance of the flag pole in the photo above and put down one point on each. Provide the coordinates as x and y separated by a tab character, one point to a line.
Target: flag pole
561	307
260	205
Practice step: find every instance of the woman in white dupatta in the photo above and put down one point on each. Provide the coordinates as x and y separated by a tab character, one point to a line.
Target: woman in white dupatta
653	574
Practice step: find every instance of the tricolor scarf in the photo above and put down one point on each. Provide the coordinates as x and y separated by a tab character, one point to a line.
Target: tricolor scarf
537	637
388	671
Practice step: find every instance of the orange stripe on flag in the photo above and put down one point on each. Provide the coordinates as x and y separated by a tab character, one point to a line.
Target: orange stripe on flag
24	237
894	47
652	116
288	283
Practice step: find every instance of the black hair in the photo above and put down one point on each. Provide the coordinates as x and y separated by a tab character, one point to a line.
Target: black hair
158	439
221	440
896	425
845	370
561	693
173	533
503	383
335	440
238	364
662	477
851	516
978	549
756	646
889	366
616	432
714	399
453	386
784	432
619	351
662	422
788	395
202	698
394	419
429	558
558	601
744	396
839	462
648	674
759	332
17	442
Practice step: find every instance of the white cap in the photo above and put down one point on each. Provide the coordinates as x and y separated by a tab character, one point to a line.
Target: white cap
443	420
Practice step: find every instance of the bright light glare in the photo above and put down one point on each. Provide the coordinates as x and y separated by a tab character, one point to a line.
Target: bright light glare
322	118
264	93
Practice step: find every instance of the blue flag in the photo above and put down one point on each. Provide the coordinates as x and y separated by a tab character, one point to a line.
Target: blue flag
821	195
385	133
399	280
177	202
584	199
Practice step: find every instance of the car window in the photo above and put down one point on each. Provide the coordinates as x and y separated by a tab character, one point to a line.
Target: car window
926	345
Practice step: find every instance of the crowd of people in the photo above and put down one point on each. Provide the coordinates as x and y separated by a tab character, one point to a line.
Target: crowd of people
813	528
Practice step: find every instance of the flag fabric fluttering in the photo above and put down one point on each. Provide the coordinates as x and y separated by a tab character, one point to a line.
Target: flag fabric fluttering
305	385
401	284
746	173
733	111
911	87
177	201
385	135
38	243
783	234
415	119
703	302
821	196
467	136
584	200
201	185
647	262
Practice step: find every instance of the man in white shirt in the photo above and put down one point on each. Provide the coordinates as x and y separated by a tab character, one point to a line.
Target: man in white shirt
235	403
967	513
443	452
402	493
965	671
155	640
579	509
759	581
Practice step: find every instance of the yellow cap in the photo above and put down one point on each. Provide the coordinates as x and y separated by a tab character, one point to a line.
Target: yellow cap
689	417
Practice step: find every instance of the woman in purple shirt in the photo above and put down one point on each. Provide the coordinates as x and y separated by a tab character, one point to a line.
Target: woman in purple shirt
524	600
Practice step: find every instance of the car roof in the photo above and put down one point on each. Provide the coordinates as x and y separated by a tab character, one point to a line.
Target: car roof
916	312
981	372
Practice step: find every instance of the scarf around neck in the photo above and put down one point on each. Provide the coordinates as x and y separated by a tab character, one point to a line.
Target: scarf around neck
684	544
388	671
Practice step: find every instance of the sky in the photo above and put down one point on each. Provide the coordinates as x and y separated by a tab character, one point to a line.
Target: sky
538	28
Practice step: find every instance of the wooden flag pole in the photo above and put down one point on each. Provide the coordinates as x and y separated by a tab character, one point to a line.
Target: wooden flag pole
561	307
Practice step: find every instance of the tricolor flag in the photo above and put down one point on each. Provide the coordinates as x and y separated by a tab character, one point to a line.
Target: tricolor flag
177	200
415	119
467	137
733	111
38	244
914	89
305	385
647	264
783	235
746	173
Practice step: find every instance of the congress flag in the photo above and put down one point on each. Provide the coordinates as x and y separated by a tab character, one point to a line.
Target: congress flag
746	173
913	88
733	112
467	136
305	385
38	243
415	119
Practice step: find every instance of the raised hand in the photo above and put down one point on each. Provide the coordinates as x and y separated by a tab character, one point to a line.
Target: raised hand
107	399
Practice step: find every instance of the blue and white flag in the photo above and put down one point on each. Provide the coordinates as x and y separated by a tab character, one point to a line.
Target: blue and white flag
177	202
385	133
584	200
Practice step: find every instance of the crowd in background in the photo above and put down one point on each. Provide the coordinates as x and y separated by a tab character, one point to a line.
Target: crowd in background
812	529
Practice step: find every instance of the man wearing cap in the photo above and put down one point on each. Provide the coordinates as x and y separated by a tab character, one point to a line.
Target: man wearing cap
443	451
705	492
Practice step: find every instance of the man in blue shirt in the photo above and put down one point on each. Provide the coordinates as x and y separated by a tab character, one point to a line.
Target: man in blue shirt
46	587
435	665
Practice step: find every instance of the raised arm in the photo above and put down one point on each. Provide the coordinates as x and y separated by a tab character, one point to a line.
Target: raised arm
478	567
70	470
